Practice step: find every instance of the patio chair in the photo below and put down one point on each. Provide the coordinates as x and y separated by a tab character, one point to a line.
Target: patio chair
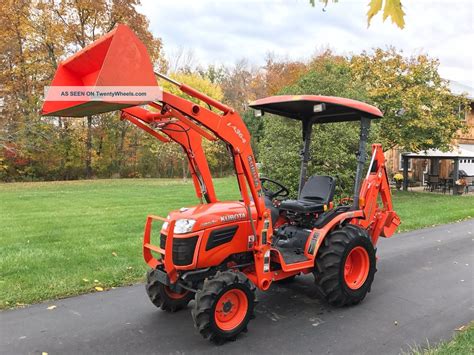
433	182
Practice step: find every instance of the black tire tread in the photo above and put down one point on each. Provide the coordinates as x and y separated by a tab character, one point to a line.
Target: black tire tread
328	266
158	297
207	296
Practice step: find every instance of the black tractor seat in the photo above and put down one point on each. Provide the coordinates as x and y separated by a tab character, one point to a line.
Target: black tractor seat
317	192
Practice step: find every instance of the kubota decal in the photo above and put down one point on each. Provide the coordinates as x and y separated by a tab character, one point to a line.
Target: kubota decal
233	217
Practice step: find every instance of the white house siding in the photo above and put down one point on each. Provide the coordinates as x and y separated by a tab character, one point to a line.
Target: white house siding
467	164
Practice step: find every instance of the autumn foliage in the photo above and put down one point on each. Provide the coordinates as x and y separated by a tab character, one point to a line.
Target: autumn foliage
420	111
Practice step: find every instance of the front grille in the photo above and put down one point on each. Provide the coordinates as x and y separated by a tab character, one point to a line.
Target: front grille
221	236
162	241
183	250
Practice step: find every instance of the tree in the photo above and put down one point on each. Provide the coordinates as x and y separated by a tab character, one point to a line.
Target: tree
419	110
215	74
243	84
86	20
281	73
391	8
239	85
22	74
35	36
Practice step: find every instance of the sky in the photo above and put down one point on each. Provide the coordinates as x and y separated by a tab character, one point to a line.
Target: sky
227	31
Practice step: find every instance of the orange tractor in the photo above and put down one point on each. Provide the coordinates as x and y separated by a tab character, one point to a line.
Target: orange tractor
218	253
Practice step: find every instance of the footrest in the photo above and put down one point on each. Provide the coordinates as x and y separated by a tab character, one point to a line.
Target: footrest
290	255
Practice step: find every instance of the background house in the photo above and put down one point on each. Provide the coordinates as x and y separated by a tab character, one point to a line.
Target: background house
463	145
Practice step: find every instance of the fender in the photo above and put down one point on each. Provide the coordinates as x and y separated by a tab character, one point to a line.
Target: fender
318	235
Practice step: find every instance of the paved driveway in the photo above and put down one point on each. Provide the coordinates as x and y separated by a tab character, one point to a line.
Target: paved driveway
422	291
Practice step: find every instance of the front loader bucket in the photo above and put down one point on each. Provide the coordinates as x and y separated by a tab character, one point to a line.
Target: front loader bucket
117	59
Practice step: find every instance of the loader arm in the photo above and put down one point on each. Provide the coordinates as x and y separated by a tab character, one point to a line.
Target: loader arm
120	59
187	138
231	129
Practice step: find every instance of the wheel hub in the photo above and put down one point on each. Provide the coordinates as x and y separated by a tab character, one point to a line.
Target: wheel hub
175	295
356	268
231	309
227	307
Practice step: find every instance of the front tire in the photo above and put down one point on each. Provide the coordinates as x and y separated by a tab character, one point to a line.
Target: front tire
224	306
345	266
163	297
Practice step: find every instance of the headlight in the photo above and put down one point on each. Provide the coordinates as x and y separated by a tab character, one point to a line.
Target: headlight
165	225
183	226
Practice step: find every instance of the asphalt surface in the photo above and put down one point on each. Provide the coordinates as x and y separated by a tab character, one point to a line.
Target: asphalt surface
422	292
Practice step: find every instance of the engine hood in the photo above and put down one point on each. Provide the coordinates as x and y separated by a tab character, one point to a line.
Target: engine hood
213	214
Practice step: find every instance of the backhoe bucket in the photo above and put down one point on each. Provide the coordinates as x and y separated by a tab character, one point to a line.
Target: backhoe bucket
118	59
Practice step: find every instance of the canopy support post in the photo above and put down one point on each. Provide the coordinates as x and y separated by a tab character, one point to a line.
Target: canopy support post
305	156
361	157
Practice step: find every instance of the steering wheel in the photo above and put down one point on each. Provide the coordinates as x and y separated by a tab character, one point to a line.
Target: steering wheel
281	192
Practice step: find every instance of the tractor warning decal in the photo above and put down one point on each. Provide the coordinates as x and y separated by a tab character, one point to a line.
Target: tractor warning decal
251	241
238	132
253	170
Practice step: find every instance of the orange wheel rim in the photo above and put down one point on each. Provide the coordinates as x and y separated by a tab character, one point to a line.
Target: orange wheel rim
174	295
231	309
356	268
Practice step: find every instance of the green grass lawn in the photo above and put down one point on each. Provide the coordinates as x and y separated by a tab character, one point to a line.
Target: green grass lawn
461	344
418	210
64	238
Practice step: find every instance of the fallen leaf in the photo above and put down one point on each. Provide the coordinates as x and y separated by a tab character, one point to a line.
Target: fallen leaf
98	288
114	253
461	328
85	280
51	307
129	268
96	281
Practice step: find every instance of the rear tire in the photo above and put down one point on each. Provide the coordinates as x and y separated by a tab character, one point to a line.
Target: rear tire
345	266
163	297
224	306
